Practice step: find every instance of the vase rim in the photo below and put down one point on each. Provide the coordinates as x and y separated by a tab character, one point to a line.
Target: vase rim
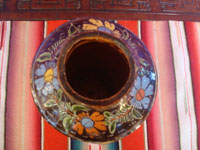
102	103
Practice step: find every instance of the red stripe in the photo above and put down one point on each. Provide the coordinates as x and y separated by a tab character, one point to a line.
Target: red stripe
90	148
53	139
52	25
131	25
135	140
192	35
99	147
154	130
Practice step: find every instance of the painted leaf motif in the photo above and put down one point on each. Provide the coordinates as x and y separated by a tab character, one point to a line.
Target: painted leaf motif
112	126
59	94
124	119
68	106
67	123
124	109
63	114
76	108
125	35
50	103
73	30
136	114
44	57
107	114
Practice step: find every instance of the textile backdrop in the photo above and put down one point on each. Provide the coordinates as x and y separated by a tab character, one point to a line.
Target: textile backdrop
174	122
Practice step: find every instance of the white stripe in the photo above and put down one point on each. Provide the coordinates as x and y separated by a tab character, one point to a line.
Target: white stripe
120	144
42	133
69	143
3	78
42	120
139	29
185	100
145	136
45	29
94	146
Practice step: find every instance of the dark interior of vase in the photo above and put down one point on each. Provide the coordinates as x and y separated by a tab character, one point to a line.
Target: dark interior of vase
96	69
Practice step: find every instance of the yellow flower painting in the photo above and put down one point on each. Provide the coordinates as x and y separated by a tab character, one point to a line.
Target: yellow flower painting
101	26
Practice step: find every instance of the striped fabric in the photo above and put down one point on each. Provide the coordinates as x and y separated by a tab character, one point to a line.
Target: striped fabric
174	122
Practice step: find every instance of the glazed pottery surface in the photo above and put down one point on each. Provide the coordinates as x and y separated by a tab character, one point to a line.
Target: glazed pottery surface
93	80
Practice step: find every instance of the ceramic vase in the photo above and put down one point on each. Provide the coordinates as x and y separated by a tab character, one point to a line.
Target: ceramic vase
93	80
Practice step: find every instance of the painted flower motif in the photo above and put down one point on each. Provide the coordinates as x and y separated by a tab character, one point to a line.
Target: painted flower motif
101	26
47	81
91	124
140	92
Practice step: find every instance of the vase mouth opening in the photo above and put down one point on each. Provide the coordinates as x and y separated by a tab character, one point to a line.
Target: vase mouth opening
95	69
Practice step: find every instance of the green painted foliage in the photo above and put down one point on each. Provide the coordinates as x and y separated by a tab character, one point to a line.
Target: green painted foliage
125	114
44	57
59	94
136	114
67	123
112	126
50	103
75	108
